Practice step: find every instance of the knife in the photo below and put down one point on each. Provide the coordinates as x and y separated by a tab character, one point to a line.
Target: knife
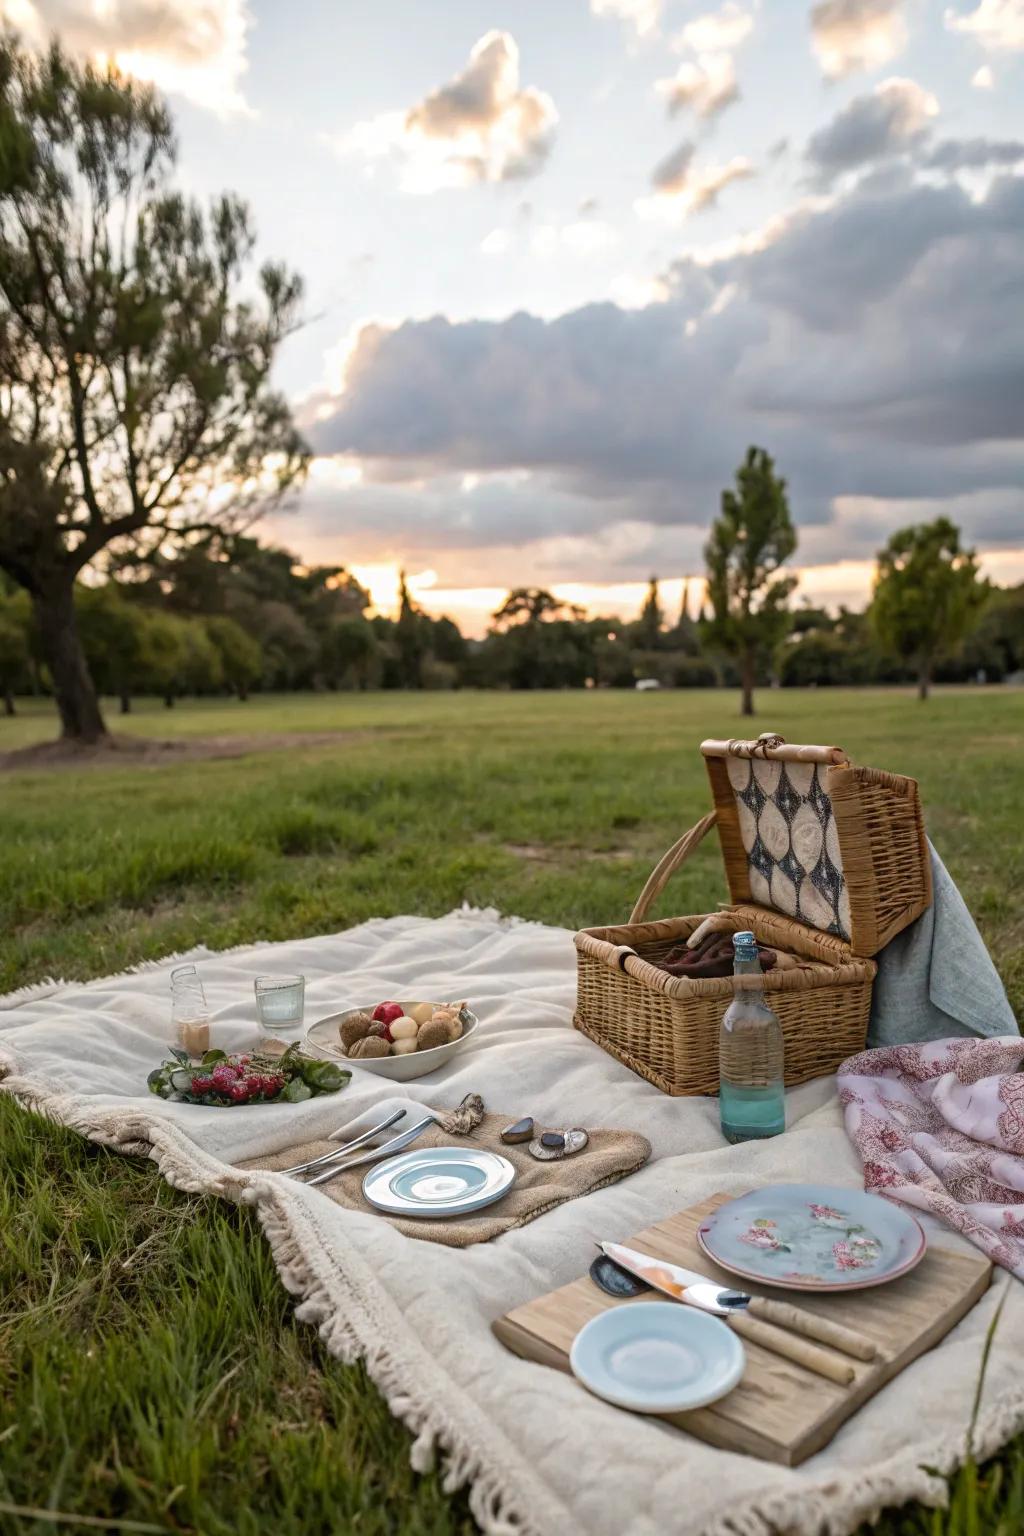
770	1323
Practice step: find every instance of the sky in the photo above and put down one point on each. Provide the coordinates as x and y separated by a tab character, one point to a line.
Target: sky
565	259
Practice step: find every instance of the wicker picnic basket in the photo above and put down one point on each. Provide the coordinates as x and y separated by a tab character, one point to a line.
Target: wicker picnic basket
826	862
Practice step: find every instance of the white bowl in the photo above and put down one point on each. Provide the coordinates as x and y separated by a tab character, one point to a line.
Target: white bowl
323	1036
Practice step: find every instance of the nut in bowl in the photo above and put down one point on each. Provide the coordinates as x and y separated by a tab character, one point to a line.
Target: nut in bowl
400	1040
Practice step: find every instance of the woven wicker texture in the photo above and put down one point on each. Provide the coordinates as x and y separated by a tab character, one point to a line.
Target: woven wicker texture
836	858
666	1027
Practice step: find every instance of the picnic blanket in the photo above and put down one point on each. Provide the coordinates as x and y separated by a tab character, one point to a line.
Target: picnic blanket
941	1127
541	1455
936	978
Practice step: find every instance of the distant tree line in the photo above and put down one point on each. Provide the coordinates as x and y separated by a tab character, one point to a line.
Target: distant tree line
232	616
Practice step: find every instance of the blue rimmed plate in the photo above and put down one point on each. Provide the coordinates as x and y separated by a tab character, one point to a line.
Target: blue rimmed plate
813	1237
657	1357
438	1181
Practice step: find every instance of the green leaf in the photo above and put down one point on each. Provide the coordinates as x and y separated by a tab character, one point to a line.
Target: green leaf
180	1080
212	1057
295	1091
181	1056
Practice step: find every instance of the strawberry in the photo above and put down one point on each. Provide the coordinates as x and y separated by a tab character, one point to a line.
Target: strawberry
202	1083
224	1076
238	1092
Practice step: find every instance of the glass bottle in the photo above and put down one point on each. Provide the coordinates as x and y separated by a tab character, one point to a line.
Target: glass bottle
752	1095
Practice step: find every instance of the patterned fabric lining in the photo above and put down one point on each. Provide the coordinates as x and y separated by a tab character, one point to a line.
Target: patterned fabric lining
789	833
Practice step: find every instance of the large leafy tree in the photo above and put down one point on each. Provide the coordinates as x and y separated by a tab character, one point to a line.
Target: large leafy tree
750	540
135	349
927	596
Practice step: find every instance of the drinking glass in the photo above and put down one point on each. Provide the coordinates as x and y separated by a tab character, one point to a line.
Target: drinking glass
280	1003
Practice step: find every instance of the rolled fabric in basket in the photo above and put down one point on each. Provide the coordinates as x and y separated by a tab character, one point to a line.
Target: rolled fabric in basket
775	748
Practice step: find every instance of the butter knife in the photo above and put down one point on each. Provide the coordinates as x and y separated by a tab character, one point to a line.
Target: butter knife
771	1323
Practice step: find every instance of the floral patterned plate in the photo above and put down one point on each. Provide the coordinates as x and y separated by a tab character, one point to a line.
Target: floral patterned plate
811	1237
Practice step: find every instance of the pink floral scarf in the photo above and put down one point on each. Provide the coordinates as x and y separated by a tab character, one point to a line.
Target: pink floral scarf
940	1126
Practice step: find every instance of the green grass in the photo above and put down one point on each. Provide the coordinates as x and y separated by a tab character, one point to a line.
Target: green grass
150	1370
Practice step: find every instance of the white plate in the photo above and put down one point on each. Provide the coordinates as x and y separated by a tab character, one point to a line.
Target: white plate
657	1357
438	1181
323	1037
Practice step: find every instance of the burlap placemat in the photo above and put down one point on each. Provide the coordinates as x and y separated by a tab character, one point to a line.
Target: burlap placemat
609	1156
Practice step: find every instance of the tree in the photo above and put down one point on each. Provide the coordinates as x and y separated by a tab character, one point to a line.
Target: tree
14	653
350	653
410	638
240	656
750	540
113	638
648	627
135	404
530	605
927	596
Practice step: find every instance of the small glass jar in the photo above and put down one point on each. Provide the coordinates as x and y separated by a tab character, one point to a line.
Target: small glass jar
190	1014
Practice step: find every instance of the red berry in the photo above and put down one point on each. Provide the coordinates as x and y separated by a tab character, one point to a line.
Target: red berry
238	1092
224	1077
202	1083
387	1013
243	1061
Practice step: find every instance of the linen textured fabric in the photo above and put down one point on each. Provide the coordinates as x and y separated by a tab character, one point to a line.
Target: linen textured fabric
541	1455
791	840
936	978
941	1127
539	1186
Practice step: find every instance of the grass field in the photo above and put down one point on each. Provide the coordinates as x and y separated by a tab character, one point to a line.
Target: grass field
151	1376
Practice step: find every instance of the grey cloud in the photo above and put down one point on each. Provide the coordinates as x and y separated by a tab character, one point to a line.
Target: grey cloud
890	120
974	154
875	346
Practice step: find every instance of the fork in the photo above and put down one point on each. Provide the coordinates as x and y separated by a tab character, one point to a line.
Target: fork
326	1157
394	1145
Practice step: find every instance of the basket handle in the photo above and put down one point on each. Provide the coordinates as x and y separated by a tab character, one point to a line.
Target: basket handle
663	872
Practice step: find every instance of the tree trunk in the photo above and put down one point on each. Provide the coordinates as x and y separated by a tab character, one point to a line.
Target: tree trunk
747	683
80	717
126	703
168	701
9	709
924	679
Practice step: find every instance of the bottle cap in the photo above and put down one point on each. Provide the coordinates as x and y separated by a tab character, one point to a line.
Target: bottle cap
744	941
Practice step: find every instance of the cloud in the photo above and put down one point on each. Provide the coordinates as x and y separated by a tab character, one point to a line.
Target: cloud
873	342
851	35
642	15
706	85
996	24
974	154
718	31
479	127
888	121
193	48
682	188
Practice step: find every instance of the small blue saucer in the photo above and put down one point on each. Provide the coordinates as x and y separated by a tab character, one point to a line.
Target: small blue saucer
657	1357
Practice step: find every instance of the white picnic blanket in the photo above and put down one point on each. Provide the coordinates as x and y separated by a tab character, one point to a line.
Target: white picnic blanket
541	1455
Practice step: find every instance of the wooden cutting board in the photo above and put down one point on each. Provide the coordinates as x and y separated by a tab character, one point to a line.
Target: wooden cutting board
780	1411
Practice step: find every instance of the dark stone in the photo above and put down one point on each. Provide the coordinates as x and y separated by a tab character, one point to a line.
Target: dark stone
521	1131
614	1280
554	1140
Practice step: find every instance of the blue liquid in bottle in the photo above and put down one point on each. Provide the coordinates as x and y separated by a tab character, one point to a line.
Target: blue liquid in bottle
752	1094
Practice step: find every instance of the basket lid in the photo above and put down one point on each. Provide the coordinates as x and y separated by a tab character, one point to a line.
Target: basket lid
806	833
